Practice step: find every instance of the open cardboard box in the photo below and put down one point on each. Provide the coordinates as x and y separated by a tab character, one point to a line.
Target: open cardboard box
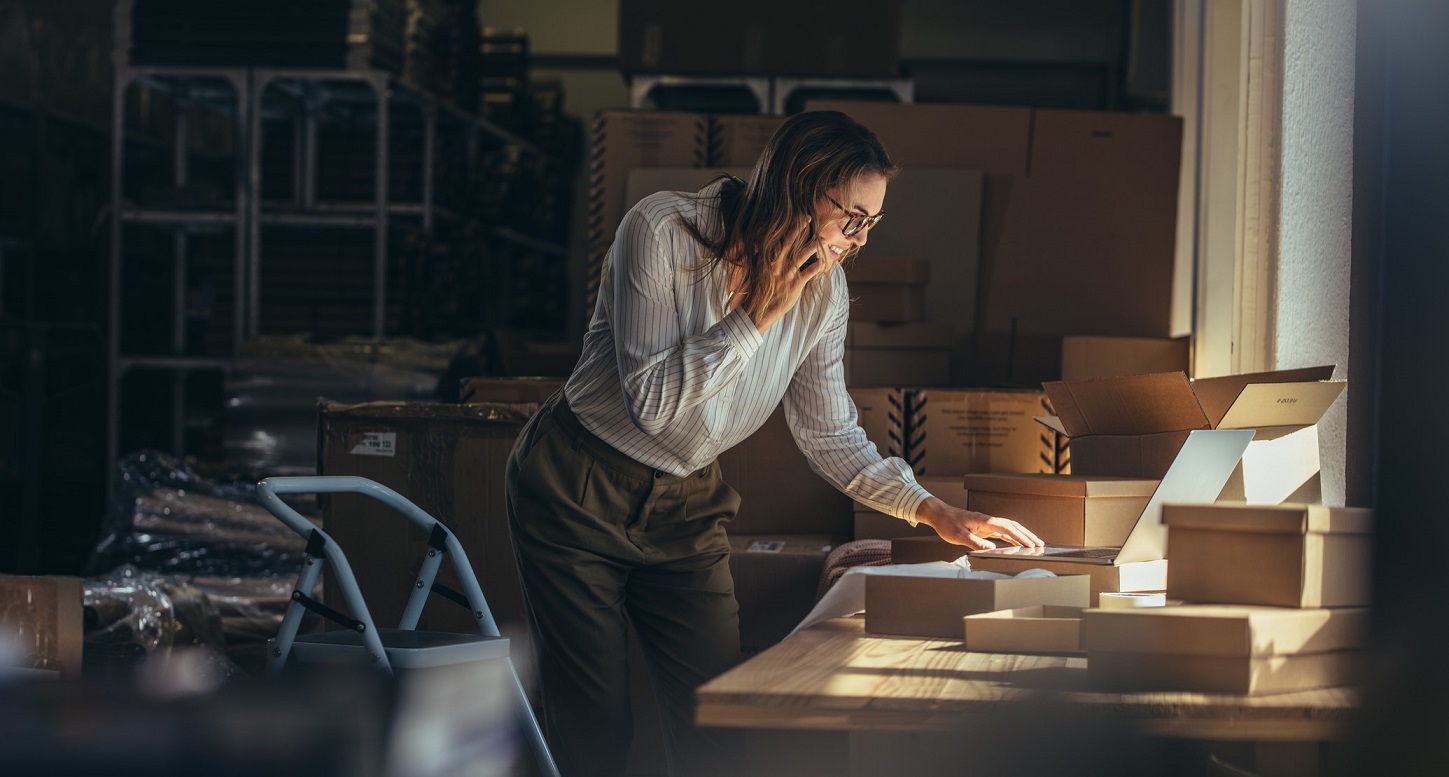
1289	555
1224	649
934	606
1041	628
1064	509
1133	426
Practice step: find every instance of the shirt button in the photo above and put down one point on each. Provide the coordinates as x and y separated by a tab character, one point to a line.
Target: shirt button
658	473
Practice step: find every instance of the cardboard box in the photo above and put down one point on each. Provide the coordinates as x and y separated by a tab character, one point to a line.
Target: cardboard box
958	431
934	606
449	460
916	354
779	493
1098	187
1131	577
1289	555
509	390
1133	426
873	525
645	181
887	290
776	579
950	432
1224	649
934	214
737	140
1064	509
621	141
42	619
757	37
1040	628
1084	358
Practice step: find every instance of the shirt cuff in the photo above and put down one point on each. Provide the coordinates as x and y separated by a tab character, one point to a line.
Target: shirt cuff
911	500
741	332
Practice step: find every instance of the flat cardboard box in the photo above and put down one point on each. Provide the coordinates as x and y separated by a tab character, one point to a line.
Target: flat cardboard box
1085	357
1224	649
1131	577
621	141
1064	509
1133	426
43	620
887	289
776	580
934	606
1098	187
1039	628
914	354
1289	555
779	492
1243	675
873	525
1226	630
449	460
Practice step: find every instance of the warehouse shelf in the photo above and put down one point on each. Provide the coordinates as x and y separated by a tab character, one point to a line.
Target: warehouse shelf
668	91
253	102
786	88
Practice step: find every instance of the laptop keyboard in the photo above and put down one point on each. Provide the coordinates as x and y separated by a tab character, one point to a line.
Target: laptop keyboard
1082	552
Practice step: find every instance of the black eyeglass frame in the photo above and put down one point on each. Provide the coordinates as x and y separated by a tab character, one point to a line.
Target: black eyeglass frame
854	222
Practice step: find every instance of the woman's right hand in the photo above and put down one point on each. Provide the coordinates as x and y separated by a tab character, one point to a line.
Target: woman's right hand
792	274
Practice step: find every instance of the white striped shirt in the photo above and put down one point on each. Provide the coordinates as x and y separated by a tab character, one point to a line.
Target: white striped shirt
670	377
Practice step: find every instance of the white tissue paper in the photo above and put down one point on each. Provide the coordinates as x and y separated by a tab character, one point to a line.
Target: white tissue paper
847	596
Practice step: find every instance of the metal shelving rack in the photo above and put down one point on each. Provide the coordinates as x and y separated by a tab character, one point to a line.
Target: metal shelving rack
245	103
771	92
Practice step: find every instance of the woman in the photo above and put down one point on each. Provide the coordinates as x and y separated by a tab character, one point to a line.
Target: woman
713	308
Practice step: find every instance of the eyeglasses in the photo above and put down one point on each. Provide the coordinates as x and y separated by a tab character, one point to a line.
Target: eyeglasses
854	222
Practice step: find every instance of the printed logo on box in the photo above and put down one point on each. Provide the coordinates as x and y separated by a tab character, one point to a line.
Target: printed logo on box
766	546
376	444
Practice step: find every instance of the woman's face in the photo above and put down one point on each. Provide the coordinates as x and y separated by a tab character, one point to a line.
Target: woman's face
864	197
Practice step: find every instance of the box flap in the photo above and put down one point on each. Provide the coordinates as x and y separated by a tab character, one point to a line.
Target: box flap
1051	422
1037	484
885	269
919	334
1281	404
1269	519
1217	395
1137	404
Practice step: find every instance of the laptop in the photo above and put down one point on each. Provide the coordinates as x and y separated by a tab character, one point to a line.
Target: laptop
1197	476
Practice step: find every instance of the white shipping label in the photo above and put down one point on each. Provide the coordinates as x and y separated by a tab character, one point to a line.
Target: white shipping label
376	444
766	546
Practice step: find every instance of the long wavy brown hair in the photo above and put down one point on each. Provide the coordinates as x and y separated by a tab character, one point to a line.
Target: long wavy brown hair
809	156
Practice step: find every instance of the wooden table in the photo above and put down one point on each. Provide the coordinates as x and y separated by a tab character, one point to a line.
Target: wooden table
835	677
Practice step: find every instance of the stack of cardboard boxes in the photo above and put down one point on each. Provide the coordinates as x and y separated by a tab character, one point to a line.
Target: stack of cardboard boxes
1277	601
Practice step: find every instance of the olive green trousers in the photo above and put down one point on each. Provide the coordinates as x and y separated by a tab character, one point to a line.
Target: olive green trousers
604	542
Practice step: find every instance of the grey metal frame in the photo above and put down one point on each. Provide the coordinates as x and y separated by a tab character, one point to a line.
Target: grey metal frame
269	493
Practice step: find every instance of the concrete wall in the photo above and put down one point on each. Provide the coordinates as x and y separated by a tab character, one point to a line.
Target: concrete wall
1311	319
